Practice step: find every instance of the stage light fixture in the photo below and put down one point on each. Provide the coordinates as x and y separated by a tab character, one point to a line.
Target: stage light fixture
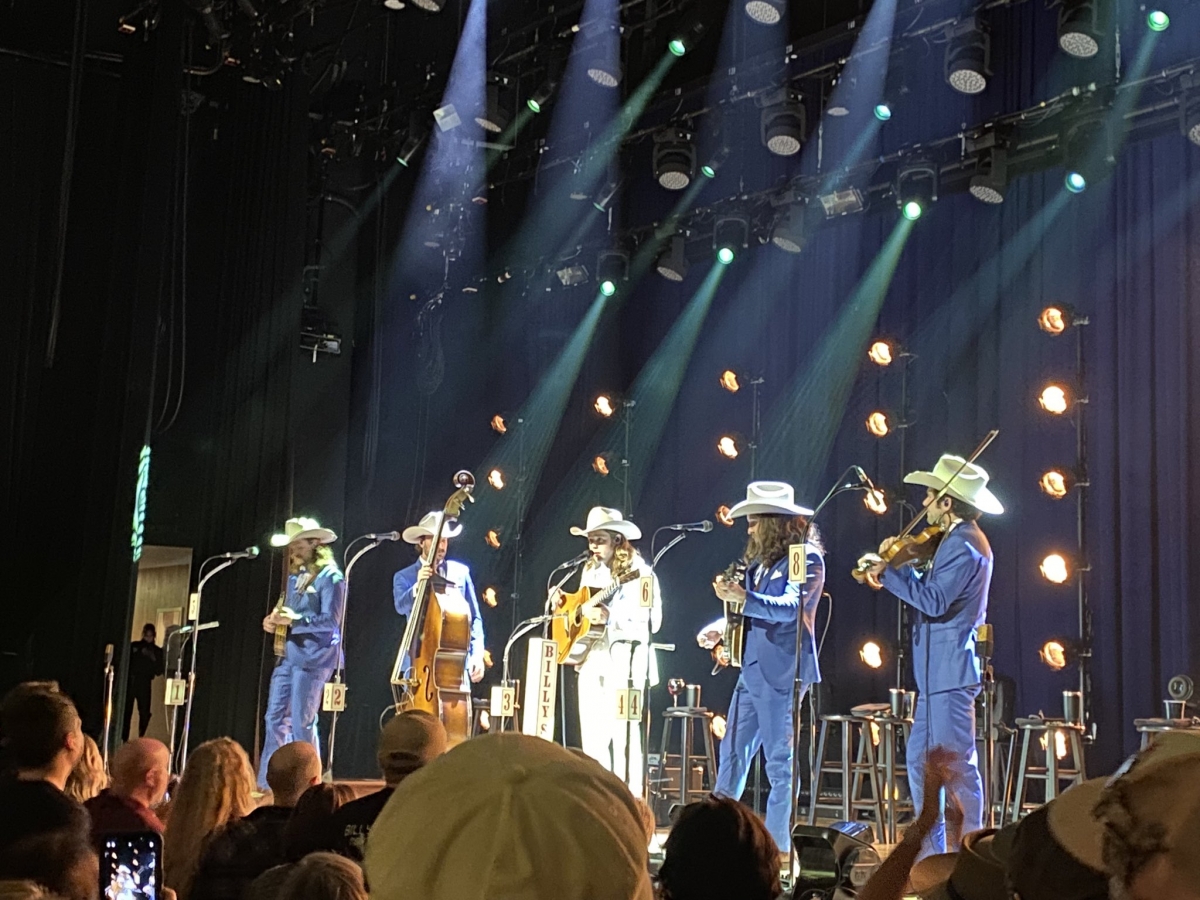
722	515
492	538
499	425
600	464
1058	653
1056	568
1189	114
606	73
871	653
672	263
729	381
766	12
916	188
1158	20
1075	182
883	111
968	56
877	424
727	446
612	269
605	405
1080	28
729	236
1055	399
1057	483
686	39
842	203
783	122
489	596
875	500
432	6
412	144
674	158
538	100
789	233
1058	318
990	181
145	15
496	479
607	193
714	161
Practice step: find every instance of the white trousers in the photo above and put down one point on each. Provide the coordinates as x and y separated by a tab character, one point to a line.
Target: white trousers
602	734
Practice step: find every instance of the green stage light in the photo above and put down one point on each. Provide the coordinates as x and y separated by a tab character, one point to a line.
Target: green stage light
1075	182
912	210
533	105
883	112
676	47
708	171
608	288
725	255
1158	20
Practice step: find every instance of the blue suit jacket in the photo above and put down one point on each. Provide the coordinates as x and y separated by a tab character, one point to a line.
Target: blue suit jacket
770	611
457	574
951	601
314	640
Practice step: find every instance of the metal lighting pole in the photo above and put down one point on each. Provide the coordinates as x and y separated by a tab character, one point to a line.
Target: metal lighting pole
1084	607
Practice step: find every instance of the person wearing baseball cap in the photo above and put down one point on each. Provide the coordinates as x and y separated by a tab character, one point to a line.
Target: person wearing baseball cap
311	614
949	600
506	816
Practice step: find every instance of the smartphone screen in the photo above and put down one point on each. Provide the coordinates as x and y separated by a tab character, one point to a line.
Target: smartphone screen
131	866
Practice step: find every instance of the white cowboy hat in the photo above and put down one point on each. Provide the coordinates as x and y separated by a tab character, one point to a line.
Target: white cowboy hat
769	498
299	529
969	485
604	518
428	527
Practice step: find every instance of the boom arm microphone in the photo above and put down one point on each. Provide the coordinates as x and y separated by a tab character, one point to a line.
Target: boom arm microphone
248	553
864	478
705	526
577	561
385	536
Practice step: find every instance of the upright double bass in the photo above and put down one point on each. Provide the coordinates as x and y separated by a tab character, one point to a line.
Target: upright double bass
437	641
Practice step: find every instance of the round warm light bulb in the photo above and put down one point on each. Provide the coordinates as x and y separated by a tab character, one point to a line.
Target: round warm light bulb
1054	484
723	516
1053	320
871	654
499	425
600	465
604	406
876	501
1053	399
877	424
727	447
492	538
1054	569
880	353
1054	654
729	381
496	479
489	596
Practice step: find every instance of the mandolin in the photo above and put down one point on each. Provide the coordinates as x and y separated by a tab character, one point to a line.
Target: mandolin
728	650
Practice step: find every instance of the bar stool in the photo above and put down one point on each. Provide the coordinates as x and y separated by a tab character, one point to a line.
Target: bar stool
894	733
1148	728
852	771
689	718
1053	772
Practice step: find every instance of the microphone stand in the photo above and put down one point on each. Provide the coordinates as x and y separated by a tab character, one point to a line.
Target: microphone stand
547	618
797	686
522	629
341	657
108	703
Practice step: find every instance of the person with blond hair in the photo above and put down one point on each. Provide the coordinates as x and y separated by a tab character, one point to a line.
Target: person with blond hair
216	788
89	777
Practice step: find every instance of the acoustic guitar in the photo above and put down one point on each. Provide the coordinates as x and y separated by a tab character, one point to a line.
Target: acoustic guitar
570	629
303	580
728	650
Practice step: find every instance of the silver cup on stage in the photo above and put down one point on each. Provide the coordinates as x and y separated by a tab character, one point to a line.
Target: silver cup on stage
903	702
1073	707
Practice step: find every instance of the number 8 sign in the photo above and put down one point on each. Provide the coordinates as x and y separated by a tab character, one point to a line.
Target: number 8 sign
797	564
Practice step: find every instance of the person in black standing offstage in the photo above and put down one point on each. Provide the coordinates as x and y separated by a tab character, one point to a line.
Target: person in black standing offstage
145	664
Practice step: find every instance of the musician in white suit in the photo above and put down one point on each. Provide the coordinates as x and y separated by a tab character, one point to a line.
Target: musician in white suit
621	658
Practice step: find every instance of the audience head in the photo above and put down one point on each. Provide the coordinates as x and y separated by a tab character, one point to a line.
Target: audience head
149	632
324	876
974	873
25	890
1038	867
292	770
88	778
141	770
309	827
718	848
409	741
1141	827
215	789
62	862
646	814
509	815
42	732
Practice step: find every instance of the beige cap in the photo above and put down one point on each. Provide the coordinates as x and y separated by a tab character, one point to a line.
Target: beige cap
410	740
508	816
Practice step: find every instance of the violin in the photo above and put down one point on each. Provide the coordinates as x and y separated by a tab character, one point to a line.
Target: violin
917	548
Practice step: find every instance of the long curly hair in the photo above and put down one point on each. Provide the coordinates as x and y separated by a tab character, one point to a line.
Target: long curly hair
774	534
88	778
322	557
215	789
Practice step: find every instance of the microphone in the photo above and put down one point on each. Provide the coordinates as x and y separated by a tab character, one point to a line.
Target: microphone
385	536
577	561
108	656
705	526
865	479
248	553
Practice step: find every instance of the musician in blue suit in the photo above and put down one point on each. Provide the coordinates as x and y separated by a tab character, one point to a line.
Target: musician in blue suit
949	602
760	713
312	613
459	588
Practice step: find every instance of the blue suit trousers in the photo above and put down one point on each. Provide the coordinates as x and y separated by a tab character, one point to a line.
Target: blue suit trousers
760	715
292	707
946	718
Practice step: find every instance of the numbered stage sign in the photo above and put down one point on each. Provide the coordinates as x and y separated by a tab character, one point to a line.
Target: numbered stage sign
541	687
504	702
797	564
335	697
646	591
176	694
629	705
